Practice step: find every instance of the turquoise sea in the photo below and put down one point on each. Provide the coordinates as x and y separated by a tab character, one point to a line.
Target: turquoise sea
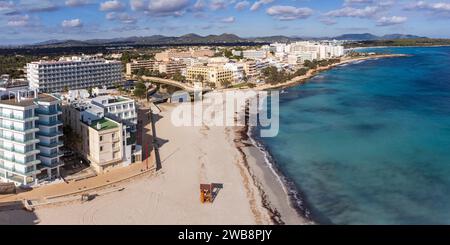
369	142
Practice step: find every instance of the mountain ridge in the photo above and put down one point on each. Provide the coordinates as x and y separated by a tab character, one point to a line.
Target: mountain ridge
193	38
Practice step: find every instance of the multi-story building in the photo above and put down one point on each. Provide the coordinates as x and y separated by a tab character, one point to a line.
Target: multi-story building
174	54
255	54
85	116
50	132
104	139
171	67
250	68
73	73
237	69
141	64
209	75
30	133
118	108
301	57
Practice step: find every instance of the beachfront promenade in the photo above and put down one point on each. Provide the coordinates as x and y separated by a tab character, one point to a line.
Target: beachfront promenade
183	86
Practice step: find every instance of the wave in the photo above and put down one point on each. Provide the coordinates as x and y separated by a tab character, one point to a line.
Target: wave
294	194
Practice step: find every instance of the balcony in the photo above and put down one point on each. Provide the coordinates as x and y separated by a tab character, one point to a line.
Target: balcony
50	155
50	124
12	116
19	151
21	162
48	112
18	129
19	140
50	134
51	145
19	172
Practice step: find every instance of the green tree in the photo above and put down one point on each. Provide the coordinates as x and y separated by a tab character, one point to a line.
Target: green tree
90	91
178	77
140	90
225	83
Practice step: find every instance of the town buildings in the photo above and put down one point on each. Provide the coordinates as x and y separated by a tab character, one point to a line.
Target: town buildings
73	73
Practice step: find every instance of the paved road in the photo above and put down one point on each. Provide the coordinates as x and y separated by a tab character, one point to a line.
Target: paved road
181	85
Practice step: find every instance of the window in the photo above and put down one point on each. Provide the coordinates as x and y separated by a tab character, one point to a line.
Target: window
101	138
113	136
101	148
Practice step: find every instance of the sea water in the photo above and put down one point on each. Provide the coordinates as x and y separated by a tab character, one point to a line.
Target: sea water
369	143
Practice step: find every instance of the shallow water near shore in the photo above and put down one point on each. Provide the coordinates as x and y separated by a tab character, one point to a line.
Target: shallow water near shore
368	143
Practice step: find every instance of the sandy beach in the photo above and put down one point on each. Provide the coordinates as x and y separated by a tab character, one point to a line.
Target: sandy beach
190	156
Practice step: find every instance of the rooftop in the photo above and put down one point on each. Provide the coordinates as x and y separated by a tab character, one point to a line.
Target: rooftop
111	99
105	124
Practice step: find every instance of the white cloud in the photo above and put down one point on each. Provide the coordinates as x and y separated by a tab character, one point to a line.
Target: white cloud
230	19
39	5
200	5
367	12
74	23
160	7
77	3
434	7
393	20
289	12
218	4
242	5
19	21
138	4
113	5
259	3
122	17
7	6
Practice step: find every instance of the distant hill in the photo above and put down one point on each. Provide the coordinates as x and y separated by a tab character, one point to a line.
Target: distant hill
193	38
369	37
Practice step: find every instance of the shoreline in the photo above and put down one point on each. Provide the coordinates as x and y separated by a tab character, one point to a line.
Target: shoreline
284	205
258	158
410	46
311	73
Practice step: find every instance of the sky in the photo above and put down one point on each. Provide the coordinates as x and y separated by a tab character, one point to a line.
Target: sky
31	21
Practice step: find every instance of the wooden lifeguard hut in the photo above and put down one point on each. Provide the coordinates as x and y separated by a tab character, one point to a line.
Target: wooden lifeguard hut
206	193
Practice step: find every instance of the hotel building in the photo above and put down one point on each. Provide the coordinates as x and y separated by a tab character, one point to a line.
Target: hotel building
174	54
73	73
30	132
211	75
141	64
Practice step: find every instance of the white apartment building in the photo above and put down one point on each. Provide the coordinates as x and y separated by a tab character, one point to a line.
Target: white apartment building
322	50
255	54
30	131
76	72
301	57
237	69
119	108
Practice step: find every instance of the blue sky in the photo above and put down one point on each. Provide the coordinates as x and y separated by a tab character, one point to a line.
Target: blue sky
28	21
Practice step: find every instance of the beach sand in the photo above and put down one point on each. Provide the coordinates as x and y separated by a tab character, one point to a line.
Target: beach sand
190	156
